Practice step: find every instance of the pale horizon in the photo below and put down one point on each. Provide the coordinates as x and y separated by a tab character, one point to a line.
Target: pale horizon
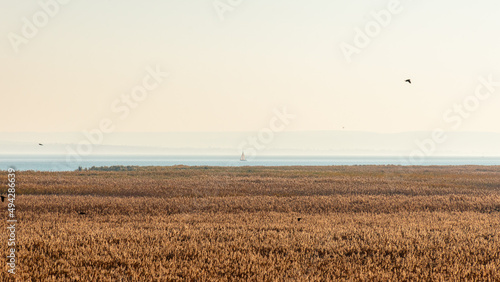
326	143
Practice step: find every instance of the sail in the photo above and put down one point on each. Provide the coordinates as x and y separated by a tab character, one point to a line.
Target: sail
242	158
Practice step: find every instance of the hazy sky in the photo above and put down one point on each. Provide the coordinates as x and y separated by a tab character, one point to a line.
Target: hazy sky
228	74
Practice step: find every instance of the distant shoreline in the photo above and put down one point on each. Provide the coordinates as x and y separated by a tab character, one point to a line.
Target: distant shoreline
287	167
61	163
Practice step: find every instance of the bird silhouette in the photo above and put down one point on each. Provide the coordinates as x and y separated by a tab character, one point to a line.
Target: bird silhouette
3	198
408	80
40	144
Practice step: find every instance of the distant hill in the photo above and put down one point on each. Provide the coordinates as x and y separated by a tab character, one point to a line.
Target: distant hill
286	143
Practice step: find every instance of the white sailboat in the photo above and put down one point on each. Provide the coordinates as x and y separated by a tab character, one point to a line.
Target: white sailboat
242	158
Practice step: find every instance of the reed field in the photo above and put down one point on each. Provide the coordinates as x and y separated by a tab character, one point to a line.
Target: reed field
179	223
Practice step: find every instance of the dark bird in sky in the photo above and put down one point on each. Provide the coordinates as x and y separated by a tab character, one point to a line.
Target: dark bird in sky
40	144
408	80
299	219
3	198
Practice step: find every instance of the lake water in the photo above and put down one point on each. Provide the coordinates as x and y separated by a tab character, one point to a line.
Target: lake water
59	162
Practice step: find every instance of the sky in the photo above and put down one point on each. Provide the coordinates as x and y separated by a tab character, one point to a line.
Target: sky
232	65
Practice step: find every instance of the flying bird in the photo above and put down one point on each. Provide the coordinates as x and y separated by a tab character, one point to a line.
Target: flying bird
408	80
3	198
40	144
